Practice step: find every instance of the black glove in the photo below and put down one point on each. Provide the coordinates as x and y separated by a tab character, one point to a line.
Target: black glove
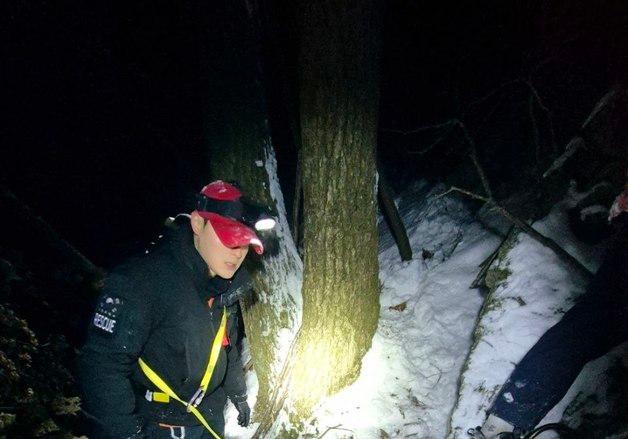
244	416
241	284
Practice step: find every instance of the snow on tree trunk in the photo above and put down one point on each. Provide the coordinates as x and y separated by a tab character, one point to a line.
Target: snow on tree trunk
273	316
240	149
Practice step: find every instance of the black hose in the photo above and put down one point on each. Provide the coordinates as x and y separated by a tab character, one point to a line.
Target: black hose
563	430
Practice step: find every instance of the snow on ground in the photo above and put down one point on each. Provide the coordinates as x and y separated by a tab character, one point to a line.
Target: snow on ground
539	289
410	378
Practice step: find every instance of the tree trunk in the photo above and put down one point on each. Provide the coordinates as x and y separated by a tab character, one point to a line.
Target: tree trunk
240	150
339	102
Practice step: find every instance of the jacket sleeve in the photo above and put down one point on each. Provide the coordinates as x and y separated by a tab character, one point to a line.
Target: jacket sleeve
116	335
234	384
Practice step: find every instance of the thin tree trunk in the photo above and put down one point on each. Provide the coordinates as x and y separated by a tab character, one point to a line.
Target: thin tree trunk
393	219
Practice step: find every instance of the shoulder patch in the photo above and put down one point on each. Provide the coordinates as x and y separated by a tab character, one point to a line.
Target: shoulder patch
107	313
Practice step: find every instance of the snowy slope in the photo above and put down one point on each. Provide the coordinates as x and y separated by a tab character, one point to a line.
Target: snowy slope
409	377
538	290
414	380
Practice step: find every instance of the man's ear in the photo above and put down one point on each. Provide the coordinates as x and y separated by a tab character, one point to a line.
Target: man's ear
197	222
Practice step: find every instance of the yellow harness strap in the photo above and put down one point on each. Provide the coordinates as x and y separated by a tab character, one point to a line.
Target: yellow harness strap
211	364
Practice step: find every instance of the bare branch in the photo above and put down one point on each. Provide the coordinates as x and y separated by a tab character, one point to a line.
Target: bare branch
447	124
465	192
572	147
476	162
535	132
606	100
492	93
433	144
548	114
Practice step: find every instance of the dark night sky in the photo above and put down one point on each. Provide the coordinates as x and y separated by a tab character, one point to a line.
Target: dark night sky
104	102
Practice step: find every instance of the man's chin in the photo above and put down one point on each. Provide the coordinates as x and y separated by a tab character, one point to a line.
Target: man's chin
226	274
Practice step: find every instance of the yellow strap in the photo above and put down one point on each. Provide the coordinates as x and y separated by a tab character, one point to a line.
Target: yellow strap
215	351
211	364
156	380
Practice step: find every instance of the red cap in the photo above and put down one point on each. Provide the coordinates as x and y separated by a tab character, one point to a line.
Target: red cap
231	233
220	190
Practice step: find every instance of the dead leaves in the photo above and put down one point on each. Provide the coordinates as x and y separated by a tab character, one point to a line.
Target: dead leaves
400	307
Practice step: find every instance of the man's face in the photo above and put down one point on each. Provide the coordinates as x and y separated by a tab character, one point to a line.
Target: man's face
221	260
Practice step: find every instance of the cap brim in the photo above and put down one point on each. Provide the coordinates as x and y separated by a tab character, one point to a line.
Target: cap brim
233	233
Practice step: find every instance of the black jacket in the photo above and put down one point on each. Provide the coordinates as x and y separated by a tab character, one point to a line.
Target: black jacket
155	307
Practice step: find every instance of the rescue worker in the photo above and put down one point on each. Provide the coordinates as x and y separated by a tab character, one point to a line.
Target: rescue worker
160	360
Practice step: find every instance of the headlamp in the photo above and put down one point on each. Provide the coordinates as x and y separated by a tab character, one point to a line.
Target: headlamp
265	224
244	211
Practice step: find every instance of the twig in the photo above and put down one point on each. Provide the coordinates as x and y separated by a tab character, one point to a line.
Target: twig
492	93
488	116
535	132
337	427
421	129
433	144
474	158
548	114
464	191
277	399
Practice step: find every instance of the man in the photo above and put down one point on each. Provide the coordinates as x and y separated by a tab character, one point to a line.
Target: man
160	359
592	327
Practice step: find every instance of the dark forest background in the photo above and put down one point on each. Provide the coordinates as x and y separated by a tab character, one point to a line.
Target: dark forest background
108	104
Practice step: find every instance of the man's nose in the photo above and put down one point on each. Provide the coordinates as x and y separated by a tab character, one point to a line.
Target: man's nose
238	251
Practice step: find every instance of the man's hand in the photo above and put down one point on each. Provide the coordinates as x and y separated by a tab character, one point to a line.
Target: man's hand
244	413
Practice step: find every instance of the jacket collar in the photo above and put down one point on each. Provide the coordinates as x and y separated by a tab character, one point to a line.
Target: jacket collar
185	252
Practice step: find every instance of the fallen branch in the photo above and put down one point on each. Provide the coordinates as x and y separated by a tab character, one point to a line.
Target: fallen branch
537	236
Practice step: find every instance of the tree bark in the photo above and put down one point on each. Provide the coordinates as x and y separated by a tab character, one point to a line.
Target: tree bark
240	149
339	102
